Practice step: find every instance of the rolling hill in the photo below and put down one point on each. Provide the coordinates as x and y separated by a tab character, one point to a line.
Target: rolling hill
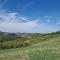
35	47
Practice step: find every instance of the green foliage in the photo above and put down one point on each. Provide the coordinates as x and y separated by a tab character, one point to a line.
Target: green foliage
11	40
44	50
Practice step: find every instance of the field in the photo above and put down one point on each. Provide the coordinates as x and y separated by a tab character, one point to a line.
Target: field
44	50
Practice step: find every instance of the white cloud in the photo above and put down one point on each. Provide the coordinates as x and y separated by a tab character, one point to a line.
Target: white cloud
48	16
12	22
58	22
48	20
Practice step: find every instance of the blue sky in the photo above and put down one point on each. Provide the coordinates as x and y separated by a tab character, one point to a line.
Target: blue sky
30	15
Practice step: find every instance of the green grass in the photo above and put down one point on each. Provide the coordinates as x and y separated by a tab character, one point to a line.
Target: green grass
44	50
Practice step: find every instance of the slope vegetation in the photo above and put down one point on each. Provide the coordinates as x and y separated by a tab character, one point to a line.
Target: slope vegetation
44	47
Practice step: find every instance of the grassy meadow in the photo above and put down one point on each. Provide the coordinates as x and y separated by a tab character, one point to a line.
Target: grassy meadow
40	48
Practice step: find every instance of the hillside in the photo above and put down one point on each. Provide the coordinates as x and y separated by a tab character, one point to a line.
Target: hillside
37	47
17	40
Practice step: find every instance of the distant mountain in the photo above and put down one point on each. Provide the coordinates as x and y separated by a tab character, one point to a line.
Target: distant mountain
27	34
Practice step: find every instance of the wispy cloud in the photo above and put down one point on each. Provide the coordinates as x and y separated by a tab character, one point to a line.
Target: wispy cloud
3	2
58	22
13	22
10	22
48	16
27	5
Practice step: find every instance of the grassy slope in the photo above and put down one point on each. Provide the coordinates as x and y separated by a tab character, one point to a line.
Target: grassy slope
44	50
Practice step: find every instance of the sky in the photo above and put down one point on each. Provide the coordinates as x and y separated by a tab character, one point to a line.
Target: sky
30	16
